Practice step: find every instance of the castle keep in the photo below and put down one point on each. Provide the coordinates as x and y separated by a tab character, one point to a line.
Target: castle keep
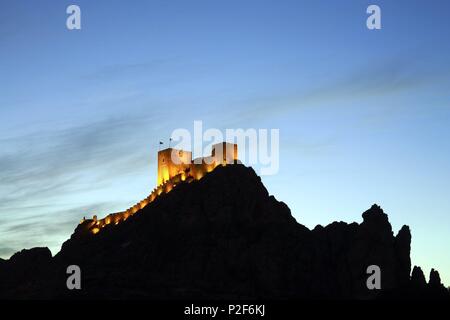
174	166
173	162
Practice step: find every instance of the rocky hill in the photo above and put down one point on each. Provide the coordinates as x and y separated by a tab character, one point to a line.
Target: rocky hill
223	237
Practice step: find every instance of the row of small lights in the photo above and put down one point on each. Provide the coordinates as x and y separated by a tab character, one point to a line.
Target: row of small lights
160	189
101	225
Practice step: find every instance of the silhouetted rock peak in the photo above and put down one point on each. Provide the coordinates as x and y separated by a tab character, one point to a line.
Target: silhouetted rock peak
435	279
404	233
33	255
375	213
403	250
222	236
376	225
417	277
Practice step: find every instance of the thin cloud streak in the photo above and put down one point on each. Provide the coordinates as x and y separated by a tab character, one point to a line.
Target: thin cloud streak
40	173
395	76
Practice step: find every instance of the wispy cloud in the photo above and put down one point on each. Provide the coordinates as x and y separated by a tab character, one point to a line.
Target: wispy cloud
6	251
114	71
380	79
398	75
39	172
48	229
41	163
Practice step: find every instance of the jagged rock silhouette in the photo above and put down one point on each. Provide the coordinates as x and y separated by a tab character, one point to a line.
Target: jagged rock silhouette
222	237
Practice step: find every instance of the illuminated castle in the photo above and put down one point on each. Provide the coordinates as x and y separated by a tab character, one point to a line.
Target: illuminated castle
174	167
173	162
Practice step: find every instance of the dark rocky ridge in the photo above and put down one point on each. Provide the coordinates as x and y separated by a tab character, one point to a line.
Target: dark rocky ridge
223	237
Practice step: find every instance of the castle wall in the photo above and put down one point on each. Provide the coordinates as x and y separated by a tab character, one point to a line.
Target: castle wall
225	153
174	167
172	162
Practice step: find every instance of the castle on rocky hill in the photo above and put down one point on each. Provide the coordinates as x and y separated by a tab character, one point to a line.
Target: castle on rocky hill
174	162
174	166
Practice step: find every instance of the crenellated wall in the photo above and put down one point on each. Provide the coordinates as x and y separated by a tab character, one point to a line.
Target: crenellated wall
169	176
191	173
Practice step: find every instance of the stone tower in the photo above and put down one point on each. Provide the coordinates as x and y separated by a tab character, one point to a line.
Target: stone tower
172	162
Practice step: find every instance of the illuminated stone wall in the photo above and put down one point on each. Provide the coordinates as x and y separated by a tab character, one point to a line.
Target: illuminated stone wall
172	162
170	174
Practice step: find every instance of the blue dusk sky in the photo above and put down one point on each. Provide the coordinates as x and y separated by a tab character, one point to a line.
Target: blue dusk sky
363	115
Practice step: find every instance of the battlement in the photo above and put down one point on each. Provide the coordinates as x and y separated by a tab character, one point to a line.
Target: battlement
172	162
174	167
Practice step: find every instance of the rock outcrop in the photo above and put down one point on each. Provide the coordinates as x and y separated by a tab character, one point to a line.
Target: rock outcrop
222	237
25	274
418	278
435	279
